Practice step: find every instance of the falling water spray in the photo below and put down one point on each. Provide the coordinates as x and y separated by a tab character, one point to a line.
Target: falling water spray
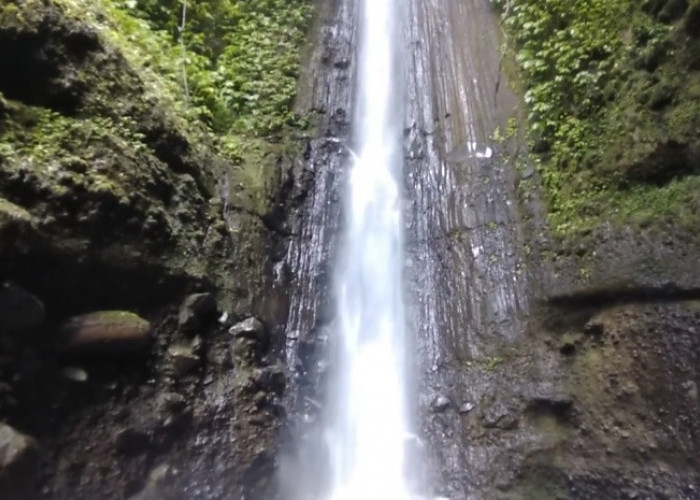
368	425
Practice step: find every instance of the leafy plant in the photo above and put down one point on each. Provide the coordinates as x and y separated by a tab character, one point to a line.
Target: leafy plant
592	83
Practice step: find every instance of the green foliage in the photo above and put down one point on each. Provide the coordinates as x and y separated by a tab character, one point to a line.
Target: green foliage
242	57
42	136
600	93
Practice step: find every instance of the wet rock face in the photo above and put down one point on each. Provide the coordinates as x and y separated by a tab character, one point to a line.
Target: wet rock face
572	364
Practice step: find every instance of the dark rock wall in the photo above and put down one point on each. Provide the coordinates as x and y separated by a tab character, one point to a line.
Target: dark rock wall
467	234
327	92
108	201
546	369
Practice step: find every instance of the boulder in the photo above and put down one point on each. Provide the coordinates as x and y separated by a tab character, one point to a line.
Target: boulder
74	374
19	309
105	332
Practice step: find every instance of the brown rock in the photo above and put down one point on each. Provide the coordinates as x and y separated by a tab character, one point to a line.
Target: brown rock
105	332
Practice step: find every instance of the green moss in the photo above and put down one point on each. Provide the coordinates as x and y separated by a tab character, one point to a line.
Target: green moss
614	108
43	135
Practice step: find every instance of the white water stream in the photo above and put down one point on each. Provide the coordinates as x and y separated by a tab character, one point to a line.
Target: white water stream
368	428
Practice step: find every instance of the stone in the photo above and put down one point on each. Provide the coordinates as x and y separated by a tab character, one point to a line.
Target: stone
74	374
466	407
19	463
250	328
220	357
499	417
19	309
106	332
184	359
440	404
196	310
225	319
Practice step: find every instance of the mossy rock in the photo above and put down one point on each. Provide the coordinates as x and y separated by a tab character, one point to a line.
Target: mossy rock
116	182
105	332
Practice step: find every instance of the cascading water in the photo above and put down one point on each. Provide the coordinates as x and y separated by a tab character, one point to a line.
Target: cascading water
368	425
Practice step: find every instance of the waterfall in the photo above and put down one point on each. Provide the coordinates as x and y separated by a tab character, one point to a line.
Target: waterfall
368	424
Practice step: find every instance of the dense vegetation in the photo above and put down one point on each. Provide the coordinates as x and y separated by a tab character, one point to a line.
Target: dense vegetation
241	58
613	95
230	64
218	75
